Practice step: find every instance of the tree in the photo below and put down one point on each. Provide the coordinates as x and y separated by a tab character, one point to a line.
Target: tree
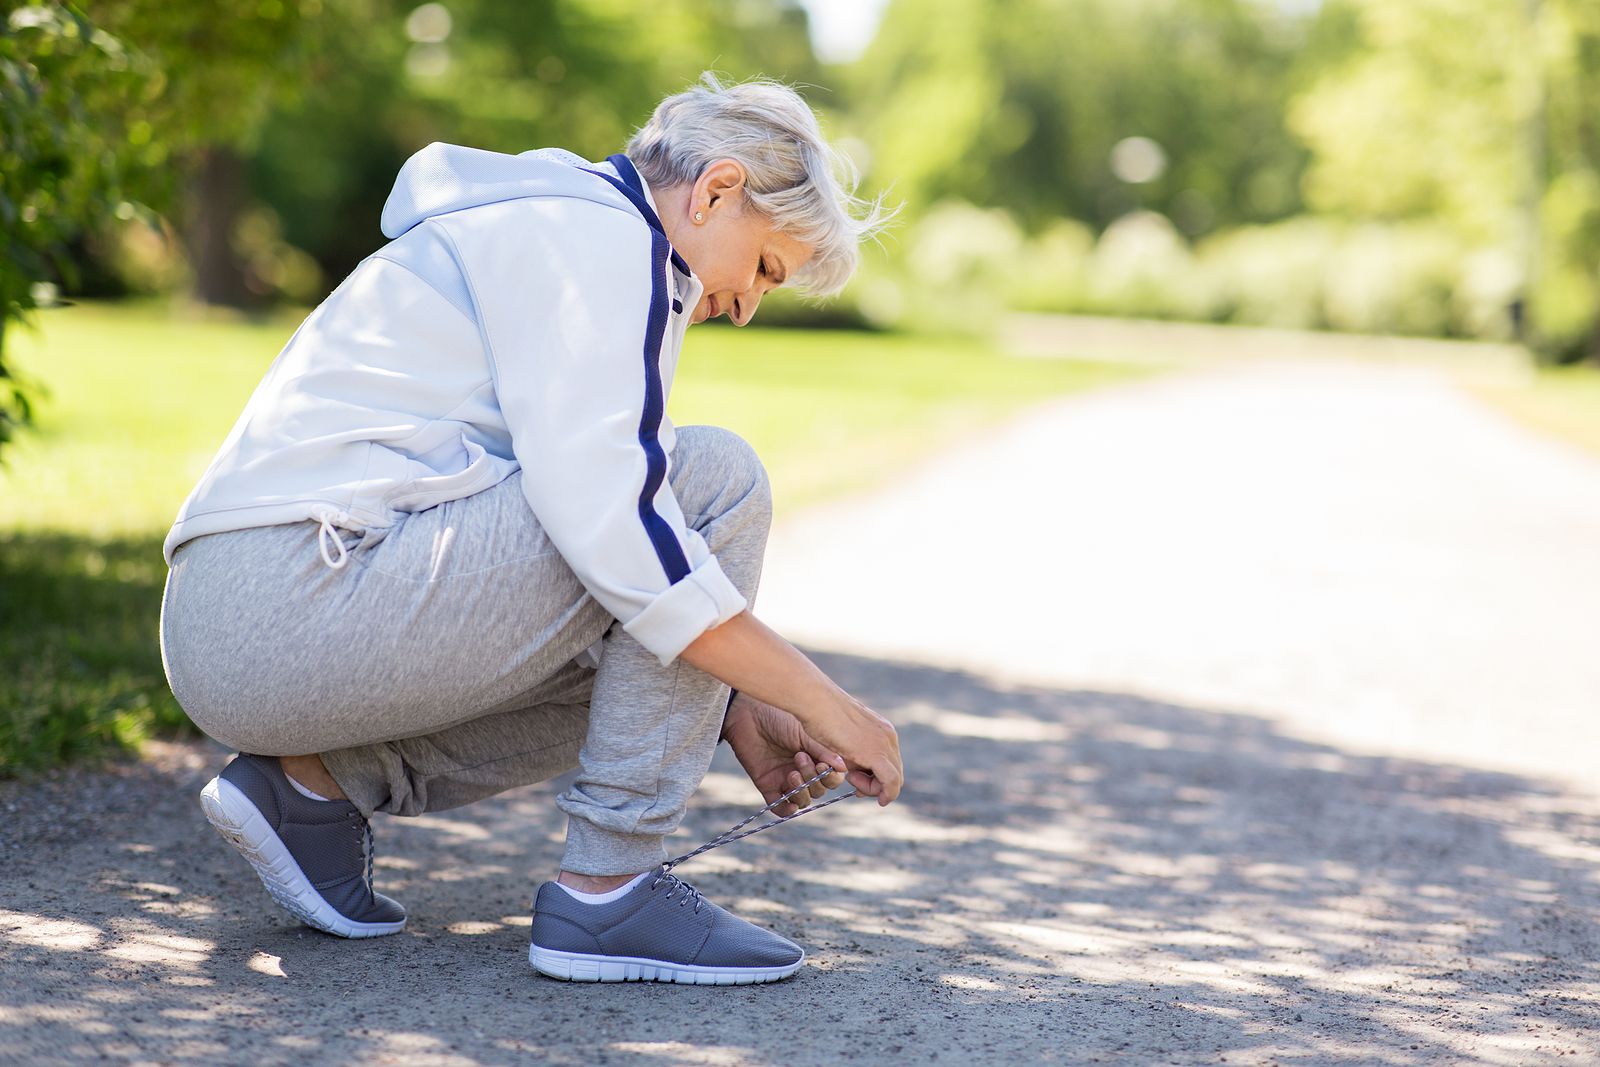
1565	299
506	76
106	107
1020	107
221	66
69	158
1478	113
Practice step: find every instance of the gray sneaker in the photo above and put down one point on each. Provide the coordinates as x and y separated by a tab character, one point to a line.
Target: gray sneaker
662	930
314	856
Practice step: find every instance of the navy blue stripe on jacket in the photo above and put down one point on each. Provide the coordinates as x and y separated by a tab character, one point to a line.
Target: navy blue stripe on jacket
632	187
668	550
660	532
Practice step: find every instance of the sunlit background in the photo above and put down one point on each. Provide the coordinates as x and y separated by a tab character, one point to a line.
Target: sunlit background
1424	168
1203	473
180	182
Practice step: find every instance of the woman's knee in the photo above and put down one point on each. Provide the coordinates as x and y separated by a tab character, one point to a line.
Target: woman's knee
714	470
245	729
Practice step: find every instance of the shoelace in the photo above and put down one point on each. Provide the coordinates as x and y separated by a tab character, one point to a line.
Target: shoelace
674	883
732	834
364	828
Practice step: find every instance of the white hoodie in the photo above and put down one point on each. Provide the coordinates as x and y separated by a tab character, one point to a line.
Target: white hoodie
527	314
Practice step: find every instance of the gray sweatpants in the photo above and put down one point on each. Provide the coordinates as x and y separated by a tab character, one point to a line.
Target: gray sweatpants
438	666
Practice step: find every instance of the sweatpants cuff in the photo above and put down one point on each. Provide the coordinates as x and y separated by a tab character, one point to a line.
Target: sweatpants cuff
355	772
594	850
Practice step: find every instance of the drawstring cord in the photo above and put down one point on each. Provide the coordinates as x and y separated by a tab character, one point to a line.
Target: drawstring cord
328	532
732	834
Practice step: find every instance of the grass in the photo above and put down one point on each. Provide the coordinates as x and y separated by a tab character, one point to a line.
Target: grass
1561	401
80	673
139	399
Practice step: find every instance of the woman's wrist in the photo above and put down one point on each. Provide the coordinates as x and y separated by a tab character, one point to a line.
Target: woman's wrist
824	712
818	713
754	660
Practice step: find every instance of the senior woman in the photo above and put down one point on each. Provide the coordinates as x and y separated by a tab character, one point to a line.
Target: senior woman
453	545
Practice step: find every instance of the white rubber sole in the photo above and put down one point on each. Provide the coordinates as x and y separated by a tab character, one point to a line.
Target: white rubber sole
582	967
246	829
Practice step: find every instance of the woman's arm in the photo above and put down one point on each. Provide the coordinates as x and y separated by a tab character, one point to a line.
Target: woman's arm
751	657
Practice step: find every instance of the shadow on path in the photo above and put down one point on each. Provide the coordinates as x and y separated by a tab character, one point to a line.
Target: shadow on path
1072	877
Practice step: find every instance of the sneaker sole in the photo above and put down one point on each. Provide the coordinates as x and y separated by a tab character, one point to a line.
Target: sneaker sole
583	967
244	827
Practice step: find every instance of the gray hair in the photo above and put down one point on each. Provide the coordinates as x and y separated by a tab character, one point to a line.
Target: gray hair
795	178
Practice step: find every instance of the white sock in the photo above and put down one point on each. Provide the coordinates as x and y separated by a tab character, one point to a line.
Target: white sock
603	898
302	790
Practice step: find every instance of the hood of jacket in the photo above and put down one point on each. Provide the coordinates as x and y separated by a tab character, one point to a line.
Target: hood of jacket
442	178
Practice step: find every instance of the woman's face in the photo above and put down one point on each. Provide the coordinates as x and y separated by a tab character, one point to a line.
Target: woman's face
735	251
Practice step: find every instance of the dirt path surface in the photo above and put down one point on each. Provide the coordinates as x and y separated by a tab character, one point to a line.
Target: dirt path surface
1249	715
1362	551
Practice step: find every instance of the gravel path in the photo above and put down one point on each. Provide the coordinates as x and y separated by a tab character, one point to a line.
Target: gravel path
1249	715
1363	552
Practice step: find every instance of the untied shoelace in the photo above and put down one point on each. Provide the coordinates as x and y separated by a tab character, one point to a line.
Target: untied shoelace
732	834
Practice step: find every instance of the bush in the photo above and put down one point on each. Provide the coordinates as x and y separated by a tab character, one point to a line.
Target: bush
1142	266
961	266
949	274
1566	305
1311	273
1269	275
1053	263
959	263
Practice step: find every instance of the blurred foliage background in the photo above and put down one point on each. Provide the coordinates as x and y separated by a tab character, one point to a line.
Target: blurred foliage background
1431	167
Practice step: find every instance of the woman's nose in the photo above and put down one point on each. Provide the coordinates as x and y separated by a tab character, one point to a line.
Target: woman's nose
744	307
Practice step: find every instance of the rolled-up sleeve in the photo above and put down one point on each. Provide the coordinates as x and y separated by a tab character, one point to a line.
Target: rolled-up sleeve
573	301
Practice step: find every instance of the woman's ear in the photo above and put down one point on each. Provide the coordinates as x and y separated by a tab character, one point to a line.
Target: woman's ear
724	178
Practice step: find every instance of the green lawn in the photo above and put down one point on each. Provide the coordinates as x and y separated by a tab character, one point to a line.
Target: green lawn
1561	401
140	398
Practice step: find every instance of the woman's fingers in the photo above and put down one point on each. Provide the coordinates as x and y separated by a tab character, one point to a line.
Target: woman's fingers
891	775
880	757
874	768
864	783
802	798
786	808
808	771
872	748
819	754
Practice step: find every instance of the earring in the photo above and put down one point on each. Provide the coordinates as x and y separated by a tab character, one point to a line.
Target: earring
699	216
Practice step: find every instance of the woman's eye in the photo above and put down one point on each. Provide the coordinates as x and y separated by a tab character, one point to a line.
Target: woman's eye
763	265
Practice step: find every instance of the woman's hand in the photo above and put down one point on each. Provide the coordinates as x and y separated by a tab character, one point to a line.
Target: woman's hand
870	745
748	655
777	753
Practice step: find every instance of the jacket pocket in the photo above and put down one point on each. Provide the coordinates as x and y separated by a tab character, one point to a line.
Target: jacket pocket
484	470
